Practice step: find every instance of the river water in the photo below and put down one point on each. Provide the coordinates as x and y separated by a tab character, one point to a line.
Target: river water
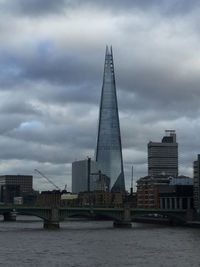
96	244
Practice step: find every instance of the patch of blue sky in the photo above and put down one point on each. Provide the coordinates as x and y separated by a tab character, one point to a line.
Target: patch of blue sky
31	125
45	47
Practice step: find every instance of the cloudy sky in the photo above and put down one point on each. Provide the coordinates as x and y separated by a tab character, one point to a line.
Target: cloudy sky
51	68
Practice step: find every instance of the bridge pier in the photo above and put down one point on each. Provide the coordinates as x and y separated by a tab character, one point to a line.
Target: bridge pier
126	222
190	215
53	222
51	225
9	216
122	224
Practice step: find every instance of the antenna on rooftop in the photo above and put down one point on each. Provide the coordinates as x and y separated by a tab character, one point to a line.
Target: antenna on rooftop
131	181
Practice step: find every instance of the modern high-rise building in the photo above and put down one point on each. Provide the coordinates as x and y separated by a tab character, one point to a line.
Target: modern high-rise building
15	186
80	176
163	156
109	149
196	186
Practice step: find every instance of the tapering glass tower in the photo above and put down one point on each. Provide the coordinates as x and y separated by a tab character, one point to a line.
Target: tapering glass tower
109	150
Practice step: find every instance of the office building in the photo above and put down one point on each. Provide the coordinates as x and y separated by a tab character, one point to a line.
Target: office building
176	196
165	192
109	149
163	156
12	186
196	186
80	176
148	190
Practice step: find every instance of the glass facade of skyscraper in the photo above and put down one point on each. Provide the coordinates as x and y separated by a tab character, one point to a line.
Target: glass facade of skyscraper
109	151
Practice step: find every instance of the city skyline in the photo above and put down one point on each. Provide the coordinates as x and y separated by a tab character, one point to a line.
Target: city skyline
51	71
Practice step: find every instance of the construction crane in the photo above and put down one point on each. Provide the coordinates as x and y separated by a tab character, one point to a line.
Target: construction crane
44	176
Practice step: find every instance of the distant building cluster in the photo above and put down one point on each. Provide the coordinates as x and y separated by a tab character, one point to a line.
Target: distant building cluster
100	182
163	188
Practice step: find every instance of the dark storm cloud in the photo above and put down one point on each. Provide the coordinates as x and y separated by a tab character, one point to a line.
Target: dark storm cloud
165	7
22	150
35	7
21	107
42	7
47	64
71	136
72	78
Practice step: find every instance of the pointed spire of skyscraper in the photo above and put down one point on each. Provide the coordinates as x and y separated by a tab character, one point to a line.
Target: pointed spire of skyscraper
109	150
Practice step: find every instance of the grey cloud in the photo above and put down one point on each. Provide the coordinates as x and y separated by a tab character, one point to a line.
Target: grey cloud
42	7
76	80
72	137
44	65
22	150
21	107
165	7
35	7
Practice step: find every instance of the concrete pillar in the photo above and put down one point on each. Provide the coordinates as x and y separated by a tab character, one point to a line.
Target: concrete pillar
190	215
10	216
122	224
126	220
180	203
166	206
170	203
53	222
188	203
175	203
51	225
161	203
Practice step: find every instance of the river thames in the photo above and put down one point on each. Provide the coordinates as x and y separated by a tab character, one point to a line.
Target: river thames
96	244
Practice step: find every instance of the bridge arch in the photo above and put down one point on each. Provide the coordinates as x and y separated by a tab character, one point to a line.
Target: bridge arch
89	214
32	213
167	214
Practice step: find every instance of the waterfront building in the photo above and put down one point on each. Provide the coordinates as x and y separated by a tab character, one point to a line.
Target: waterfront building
177	196
80	175
148	190
69	199
109	149
196	175
49	198
12	186
163	156
101	198
165	192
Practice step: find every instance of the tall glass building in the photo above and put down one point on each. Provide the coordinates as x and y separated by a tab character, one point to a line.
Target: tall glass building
109	149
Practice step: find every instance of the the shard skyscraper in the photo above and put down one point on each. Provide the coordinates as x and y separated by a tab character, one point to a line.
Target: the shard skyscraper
109	149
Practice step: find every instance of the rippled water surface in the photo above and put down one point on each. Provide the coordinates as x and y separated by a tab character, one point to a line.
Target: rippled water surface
97	243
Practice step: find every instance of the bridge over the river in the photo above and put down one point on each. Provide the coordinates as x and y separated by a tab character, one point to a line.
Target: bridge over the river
122	217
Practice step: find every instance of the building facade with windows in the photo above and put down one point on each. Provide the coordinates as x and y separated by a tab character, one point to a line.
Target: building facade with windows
196	186
80	176
148	191
165	192
15	186
163	156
